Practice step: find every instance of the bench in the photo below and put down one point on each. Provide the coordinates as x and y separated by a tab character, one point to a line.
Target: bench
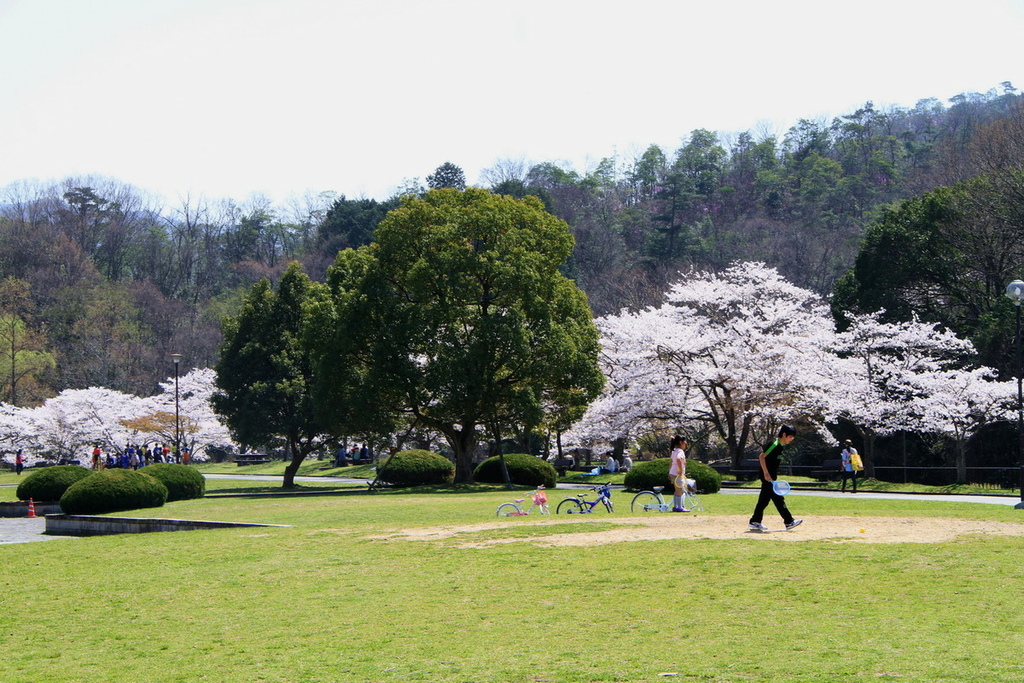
829	469
747	470
563	465
721	466
251	459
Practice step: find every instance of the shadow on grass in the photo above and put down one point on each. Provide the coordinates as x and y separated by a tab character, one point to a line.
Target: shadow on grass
450	488
380	490
264	490
583	478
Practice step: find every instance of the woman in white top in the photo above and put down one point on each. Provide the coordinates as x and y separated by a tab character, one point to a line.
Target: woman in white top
677	471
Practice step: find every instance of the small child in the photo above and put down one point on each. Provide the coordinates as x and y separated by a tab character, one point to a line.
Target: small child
677	471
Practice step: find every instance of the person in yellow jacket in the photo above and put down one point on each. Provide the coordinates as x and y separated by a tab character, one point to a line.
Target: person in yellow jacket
851	464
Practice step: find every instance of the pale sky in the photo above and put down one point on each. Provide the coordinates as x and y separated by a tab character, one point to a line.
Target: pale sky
224	98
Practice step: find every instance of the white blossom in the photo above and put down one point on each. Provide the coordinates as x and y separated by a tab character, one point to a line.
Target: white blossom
68	425
742	350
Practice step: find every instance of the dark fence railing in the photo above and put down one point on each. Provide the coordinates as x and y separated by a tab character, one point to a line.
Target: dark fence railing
990	477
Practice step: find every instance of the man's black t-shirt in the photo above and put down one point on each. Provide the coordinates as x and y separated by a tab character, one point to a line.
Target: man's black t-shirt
773	456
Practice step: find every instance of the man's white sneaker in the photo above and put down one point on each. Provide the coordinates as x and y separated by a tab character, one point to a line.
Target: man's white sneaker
794	524
757	526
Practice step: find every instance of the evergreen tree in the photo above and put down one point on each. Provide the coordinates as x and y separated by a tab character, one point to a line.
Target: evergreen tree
264	377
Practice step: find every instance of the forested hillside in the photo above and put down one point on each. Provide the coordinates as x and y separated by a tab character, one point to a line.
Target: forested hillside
100	284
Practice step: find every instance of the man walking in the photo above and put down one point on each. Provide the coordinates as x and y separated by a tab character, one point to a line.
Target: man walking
769	460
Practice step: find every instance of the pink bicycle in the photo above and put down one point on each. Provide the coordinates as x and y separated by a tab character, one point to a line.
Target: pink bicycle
515	508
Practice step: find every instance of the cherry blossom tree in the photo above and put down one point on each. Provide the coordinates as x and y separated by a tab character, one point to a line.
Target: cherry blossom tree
742	350
200	425
639	395
67	425
958	402
880	370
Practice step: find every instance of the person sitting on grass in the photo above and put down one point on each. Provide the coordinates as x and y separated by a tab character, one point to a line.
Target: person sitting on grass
627	463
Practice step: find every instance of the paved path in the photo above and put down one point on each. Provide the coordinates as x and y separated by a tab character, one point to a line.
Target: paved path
24	530
937	497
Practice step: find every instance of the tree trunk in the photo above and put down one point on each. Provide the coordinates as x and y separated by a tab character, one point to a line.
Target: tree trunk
463	442
619	446
737	443
961	461
867	451
298	455
504	472
869	454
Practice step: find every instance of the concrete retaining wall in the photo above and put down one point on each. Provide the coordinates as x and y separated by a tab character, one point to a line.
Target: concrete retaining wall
91	525
19	508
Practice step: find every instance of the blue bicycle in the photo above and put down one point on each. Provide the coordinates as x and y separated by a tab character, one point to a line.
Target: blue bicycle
581	505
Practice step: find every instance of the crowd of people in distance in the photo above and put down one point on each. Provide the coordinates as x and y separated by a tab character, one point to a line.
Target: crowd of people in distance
135	456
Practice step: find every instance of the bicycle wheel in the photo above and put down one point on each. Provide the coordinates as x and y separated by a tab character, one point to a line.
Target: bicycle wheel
646	501
509	510
691	501
569	506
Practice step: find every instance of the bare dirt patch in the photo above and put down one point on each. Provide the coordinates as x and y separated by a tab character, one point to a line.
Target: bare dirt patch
684	526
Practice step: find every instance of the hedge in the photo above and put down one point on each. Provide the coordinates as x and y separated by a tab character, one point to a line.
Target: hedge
182	482
416	468
523	469
648	474
50	484
113	490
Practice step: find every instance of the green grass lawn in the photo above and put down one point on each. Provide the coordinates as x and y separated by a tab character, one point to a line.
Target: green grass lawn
309	468
337	596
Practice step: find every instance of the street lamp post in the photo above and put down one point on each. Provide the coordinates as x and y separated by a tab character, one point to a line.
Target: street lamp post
1015	293
176	359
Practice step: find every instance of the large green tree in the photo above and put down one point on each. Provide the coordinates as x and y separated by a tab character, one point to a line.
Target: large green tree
455	317
263	375
945	256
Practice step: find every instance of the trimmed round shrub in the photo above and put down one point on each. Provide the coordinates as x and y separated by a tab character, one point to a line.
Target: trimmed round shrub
113	491
523	469
50	484
647	475
416	468
182	482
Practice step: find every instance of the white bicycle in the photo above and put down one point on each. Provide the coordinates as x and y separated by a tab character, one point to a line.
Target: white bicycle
653	501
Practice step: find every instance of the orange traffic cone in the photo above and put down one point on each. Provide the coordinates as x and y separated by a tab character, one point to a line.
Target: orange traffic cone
31	508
